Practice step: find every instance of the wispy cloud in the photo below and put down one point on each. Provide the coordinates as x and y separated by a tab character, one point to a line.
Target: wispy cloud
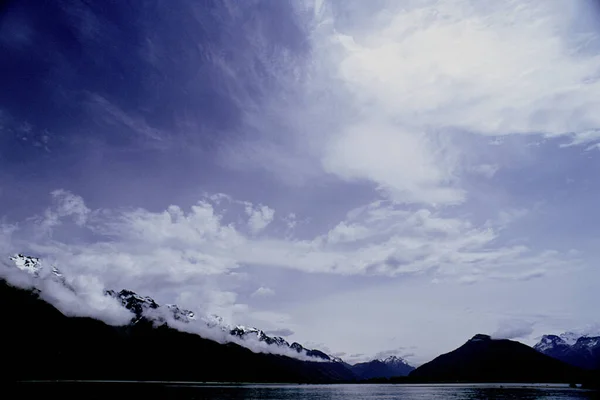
112	114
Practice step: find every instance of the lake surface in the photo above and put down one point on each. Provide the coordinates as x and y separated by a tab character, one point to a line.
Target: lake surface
108	390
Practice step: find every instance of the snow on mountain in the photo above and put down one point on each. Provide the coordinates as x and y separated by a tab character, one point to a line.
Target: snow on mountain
247	333
143	306
587	343
35	267
389	367
180	314
395	361
28	264
550	342
580	350
570	338
567	339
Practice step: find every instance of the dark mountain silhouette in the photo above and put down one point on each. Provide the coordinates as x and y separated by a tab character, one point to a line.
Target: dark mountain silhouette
390	367
483	359
39	342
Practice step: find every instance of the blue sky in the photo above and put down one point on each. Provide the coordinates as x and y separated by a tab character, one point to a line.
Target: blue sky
372	177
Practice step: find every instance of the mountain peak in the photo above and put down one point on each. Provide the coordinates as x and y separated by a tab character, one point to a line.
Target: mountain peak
28	264
142	305
34	267
480	337
394	360
569	337
389	367
548	342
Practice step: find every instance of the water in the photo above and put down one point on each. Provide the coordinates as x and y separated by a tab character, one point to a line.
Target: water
108	390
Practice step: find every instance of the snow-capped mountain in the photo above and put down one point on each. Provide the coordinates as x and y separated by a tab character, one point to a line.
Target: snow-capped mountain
395	362
389	367
28	264
582	351
180	314
254	333
145	308
142	306
570	338
550	343
35	267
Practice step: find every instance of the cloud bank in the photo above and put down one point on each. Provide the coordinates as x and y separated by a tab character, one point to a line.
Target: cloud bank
401	96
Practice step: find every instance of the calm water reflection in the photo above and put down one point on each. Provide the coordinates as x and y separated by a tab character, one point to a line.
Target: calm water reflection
286	392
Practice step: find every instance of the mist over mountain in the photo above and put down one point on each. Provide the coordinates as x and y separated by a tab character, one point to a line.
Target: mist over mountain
53	286
46	344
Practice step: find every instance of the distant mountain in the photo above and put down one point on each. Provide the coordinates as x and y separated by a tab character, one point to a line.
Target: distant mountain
581	351
483	359
386	368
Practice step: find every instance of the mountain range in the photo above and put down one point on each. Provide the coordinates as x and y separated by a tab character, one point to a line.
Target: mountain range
46	344
579	350
389	367
85	347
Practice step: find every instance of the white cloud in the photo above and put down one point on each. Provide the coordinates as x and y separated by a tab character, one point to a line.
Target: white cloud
263	292
82	296
484	68
486	170
190	256
513	329
421	68
116	116
66	204
290	221
260	217
283	332
179	247
401	162
390	93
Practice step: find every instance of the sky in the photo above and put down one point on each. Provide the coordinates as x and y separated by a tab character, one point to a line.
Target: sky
366	178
